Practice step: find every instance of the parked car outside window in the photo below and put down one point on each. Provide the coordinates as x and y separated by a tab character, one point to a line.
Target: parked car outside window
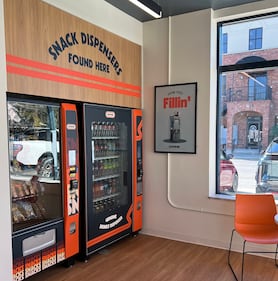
267	170
228	173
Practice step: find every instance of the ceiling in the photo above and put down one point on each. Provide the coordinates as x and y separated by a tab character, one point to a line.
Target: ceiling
176	7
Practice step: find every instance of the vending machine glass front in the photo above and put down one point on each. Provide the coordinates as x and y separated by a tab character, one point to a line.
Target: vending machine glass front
108	174
110	162
34	151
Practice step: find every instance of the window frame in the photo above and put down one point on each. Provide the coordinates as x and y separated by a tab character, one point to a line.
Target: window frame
223	69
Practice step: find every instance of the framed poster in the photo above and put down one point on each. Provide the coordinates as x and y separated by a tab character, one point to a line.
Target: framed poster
175	118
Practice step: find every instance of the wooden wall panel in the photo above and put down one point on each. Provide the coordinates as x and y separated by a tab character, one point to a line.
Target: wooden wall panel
46	50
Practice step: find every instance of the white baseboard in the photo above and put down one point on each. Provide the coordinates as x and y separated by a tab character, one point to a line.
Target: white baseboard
236	247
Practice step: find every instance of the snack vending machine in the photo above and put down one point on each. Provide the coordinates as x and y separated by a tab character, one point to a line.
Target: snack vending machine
44	182
113	201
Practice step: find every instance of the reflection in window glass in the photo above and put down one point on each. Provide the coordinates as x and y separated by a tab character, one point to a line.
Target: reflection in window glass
225	43
34	151
248	106
257	86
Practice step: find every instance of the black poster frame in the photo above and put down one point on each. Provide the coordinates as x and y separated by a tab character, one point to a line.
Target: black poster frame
175	118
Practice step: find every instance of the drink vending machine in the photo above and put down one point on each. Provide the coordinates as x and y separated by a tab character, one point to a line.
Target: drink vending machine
113	174
44	182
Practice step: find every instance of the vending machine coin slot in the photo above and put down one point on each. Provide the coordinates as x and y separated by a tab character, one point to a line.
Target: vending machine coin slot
72	228
139	206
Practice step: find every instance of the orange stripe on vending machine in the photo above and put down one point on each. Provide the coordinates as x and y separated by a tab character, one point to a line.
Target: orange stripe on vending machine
70	162
137	178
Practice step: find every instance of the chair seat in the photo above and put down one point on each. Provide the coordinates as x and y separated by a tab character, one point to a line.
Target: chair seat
261	234
270	237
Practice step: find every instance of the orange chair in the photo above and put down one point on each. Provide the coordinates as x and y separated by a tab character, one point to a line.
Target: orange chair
255	223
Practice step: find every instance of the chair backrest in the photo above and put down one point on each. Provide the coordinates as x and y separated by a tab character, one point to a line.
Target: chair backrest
254	209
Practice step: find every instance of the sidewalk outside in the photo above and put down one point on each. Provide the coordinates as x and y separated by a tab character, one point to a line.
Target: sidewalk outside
248	153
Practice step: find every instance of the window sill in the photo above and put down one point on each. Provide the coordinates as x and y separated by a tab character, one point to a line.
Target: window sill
228	197
222	196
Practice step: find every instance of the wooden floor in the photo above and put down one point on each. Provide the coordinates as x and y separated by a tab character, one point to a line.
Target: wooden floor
148	258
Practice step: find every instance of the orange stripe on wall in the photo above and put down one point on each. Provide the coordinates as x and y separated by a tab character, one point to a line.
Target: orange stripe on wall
65	80
61	70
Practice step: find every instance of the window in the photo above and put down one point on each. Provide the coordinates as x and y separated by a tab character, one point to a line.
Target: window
225	43
255	38
247	129
257	86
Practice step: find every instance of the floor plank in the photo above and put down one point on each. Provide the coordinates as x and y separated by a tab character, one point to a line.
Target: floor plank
148	258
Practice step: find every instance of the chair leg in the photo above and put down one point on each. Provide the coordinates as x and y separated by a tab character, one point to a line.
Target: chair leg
242	260
229	255
276	253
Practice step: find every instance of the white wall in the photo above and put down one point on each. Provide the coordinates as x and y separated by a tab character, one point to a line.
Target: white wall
5	214
104	15
177	186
